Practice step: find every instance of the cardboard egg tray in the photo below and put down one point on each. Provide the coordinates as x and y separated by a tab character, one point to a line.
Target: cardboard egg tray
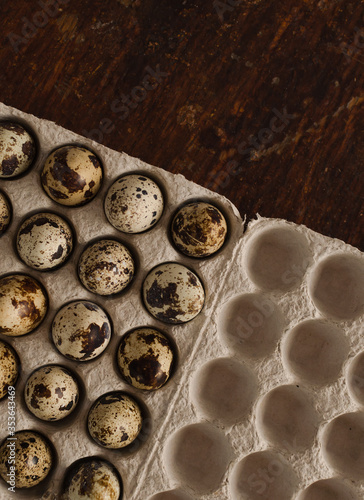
250	410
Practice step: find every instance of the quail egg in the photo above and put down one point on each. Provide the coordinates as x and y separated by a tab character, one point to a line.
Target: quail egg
29	458
81	330
92	478
72	175
17	149
44	241
173	293
23	304
5	213
51	393
145	358
114	420
106	267
199	229
134	203
9	368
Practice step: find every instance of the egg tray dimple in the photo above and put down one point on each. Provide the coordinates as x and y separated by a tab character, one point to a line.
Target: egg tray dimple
215	410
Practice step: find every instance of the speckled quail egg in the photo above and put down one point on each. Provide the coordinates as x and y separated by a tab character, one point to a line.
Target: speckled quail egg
134	203
81	330
51	392
145	358
44	241
5	213
114	420
173	293
9	367
199	229
72	175
23	304
29	456
106	267
17	149
92	478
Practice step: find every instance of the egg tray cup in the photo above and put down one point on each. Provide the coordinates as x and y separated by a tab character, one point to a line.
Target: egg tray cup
215	410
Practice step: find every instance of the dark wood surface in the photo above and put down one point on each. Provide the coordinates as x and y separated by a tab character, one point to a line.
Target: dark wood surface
219	80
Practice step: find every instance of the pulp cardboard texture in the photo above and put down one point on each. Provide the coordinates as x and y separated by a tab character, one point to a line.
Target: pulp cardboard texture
202	461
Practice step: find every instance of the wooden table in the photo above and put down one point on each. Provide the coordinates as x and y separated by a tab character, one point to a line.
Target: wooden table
259	100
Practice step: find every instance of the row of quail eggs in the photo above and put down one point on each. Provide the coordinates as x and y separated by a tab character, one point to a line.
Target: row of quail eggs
72	176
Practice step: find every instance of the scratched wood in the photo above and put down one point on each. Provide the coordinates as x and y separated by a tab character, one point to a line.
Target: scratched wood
260	100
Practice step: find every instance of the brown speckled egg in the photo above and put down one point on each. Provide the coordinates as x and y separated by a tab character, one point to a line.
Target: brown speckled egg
17	149
5	213
114	420
33	458
92	478
134	203
173	293
44	241
9	367
199	229
145	358
81	330
23	304
106	267
51	392
72	175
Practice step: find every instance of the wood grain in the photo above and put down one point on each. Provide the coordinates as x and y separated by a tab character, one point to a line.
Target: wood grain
209	113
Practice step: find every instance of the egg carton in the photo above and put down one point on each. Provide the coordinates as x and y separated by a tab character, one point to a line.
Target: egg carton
267	394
